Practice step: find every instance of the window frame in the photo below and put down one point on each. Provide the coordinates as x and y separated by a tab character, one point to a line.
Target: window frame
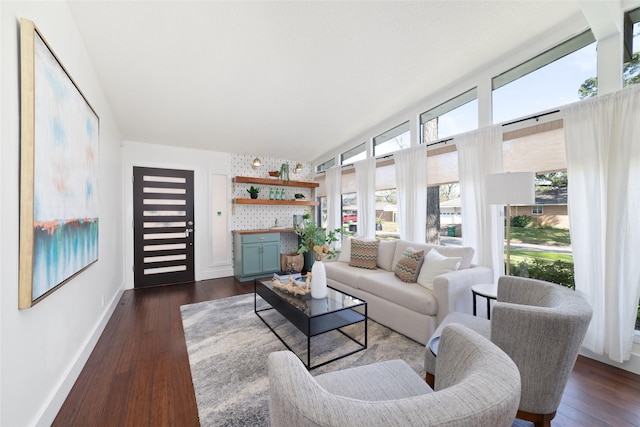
388	135
545	58
353	152
444	108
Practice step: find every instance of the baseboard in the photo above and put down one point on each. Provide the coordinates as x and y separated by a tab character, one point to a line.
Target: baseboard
50	410
215	272
631	365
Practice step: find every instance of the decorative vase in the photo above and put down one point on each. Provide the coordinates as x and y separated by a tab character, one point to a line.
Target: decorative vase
254	195
318	280
309	258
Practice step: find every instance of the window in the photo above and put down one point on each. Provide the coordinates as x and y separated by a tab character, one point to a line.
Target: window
631	67
386	211
326	165
355	154
540	242
551	79
444	219
453	117
350	213
392	140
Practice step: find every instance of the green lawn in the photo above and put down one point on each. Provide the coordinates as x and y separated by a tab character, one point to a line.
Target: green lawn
541	236
519	255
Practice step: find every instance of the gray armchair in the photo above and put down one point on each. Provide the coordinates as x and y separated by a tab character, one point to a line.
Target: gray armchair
477	385
540	325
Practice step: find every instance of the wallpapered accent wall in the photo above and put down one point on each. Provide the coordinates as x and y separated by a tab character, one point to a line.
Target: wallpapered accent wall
252	217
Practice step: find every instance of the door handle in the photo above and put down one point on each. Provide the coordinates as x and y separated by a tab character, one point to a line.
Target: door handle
187	232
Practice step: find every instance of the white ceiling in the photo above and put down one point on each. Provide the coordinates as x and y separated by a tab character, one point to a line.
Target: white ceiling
295	79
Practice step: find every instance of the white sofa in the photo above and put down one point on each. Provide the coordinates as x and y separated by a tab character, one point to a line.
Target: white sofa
408	308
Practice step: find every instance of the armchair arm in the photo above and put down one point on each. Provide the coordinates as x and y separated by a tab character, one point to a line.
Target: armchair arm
453	290
544	344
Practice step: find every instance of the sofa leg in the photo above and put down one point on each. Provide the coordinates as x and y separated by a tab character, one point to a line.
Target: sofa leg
538	420
430	379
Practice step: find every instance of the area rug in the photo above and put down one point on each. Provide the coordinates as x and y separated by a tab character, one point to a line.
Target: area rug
228	346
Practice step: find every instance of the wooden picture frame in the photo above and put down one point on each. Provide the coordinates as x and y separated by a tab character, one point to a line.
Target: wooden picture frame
59	148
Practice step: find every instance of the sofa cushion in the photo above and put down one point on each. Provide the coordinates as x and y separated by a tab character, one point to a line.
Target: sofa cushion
408	266
386	250
347	275
345	250
434	265
364	254
386	285
464	252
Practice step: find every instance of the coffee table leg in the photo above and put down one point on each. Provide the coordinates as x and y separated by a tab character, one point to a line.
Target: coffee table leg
488	308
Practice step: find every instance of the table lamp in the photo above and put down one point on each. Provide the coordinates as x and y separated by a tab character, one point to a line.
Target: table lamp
510	188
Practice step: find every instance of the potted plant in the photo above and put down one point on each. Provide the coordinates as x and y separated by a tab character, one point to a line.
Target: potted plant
315	239
378	224
253	191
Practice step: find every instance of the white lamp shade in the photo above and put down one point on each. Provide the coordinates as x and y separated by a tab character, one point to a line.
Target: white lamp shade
510	188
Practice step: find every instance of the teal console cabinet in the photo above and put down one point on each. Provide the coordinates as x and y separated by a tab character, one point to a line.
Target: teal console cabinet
255	255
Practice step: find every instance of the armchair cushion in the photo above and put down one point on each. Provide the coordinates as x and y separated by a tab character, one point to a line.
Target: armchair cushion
480	386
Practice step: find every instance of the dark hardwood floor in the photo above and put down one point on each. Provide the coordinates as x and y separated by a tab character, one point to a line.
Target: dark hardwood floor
138	374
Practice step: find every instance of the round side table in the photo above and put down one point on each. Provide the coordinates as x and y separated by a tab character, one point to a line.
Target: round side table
485	290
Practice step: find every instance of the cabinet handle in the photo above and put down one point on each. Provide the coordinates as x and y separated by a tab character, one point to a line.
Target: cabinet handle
260	238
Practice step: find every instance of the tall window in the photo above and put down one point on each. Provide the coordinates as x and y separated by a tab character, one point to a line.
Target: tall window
540	238
350	213
549	80
392	140
457	115
355	154
631	67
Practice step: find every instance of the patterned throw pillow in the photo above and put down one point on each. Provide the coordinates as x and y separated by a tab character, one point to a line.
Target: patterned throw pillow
409	264
364	254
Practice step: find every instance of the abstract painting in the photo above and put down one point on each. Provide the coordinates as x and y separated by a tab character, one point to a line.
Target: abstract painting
59	172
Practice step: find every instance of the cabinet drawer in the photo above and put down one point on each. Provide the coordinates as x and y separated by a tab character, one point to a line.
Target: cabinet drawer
260	238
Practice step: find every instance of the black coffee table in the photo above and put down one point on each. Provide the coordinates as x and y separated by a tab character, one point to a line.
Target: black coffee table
313	317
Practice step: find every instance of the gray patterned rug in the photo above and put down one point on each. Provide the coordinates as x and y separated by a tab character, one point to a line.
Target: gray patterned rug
228	347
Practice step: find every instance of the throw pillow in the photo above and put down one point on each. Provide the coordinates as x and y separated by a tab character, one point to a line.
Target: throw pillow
434	265
364	254
408	266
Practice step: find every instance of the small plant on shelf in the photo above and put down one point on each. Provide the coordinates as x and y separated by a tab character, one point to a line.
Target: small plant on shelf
253	191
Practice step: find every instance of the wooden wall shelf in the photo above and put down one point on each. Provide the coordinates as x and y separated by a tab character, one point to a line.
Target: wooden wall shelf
276	182
274	202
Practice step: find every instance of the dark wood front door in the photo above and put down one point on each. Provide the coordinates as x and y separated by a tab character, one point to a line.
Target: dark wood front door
163	226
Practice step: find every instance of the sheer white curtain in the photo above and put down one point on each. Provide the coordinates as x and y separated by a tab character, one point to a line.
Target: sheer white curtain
602	138
334	199
480	154
366	190
411	179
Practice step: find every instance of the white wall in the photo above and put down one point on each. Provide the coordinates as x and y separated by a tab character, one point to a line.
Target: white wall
212	180
43	349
